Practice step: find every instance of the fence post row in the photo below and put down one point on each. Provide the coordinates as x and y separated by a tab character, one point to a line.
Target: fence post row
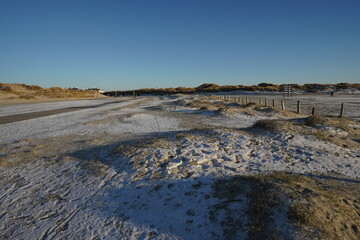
246	100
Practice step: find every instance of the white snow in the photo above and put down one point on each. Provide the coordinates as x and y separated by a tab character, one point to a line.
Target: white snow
138	170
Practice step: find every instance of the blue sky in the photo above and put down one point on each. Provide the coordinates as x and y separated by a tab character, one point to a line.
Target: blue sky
140	44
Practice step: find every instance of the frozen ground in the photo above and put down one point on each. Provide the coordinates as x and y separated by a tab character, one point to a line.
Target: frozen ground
146	168
324	103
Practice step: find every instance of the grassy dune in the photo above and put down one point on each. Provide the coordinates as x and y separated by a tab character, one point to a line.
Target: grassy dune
212	88
12	92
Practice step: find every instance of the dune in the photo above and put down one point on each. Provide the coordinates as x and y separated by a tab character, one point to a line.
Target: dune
13	93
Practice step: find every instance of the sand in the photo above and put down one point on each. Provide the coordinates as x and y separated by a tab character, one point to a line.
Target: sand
150	168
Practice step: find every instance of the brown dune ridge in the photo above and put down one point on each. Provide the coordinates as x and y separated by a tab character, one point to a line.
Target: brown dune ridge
19	93
13	92
213	88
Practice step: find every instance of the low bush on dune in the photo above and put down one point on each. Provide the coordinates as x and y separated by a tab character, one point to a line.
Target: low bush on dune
268	124
28	96
314	120
5	88
250	104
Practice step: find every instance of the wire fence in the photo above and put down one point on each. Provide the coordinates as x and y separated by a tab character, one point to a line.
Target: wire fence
339	106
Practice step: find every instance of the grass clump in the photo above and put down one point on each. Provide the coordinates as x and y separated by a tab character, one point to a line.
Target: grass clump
335	130
27	97
314	120
260	197
5	88
250	104
300	213
322	206
268	124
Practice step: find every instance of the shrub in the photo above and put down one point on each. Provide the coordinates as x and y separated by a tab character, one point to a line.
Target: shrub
250	104
6	88
314	120
267	124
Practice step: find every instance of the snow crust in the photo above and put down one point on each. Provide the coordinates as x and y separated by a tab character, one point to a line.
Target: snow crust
141	169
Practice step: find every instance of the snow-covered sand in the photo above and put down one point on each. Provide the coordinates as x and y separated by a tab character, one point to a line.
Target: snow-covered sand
323	103
146	168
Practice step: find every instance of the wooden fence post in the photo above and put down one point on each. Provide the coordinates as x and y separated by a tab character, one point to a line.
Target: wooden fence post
313	111
342	110
298	107
273	102
282	105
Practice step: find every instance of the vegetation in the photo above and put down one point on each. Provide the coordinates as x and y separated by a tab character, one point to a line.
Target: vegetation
322	207
268	124
322	204
23	91
213	88
314	120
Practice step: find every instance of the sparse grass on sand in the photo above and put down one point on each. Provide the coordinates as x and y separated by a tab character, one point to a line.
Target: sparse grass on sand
328	205
321	207
339	131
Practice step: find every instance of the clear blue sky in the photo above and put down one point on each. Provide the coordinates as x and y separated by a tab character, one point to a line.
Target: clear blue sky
137	44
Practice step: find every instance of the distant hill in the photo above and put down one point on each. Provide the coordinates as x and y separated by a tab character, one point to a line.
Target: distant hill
21	92
263	87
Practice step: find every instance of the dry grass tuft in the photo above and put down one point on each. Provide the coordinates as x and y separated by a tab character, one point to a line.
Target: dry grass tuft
27	96
327	205
268	124
348	136
204	105
341	132
314	120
